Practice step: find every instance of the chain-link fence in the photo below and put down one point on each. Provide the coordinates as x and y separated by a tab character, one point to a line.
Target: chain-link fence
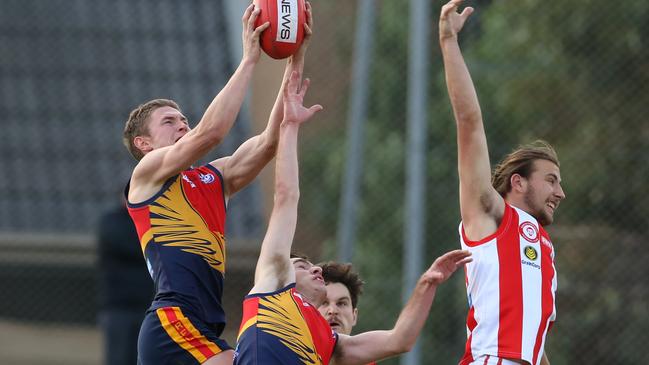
575	73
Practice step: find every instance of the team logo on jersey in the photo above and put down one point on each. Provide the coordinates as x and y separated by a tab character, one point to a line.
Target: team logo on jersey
206	178
530	253
529	232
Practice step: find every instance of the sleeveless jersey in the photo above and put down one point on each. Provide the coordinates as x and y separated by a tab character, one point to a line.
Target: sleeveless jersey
511	287
181	232
281	328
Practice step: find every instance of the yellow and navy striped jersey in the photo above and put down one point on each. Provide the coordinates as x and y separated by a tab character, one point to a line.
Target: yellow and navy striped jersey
281	328
181	231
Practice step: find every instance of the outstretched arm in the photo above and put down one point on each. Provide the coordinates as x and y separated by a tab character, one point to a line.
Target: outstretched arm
480	205
253	155
274	269
162	163
377	345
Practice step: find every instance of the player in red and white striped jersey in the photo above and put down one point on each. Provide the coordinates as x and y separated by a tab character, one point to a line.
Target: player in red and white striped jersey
512	280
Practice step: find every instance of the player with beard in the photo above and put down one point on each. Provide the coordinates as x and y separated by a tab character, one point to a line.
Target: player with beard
344	286
512	281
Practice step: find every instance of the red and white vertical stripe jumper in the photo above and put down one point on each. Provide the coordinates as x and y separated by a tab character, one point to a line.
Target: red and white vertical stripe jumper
511	287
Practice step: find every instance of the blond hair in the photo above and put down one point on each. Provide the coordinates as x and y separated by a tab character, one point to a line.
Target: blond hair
137	123
521	161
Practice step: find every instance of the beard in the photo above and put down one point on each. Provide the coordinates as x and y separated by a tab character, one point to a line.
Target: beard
537	210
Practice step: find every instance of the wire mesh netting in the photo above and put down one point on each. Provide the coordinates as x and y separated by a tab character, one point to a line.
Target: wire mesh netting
573	73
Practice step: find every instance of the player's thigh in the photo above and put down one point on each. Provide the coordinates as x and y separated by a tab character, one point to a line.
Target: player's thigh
223	358
171	336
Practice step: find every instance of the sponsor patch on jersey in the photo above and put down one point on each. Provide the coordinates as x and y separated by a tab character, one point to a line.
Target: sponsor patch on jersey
529	232
530	253
527	263
191	183
206	178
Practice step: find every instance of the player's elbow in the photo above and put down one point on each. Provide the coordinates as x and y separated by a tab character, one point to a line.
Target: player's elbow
403	347
400	344
396	349
467	117
207	138
405	342
286	194
265	152
268	146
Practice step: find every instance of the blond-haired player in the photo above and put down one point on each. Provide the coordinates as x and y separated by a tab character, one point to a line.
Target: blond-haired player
511	283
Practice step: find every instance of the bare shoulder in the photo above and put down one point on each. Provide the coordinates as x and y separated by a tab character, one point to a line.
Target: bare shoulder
144	180
272	273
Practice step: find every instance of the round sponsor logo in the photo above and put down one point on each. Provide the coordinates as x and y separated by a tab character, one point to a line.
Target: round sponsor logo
206	178
529	232
530	253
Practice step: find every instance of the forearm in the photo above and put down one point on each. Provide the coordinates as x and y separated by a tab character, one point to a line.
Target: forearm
462	93
413	316
263	147
273	267
271	133
266	146
295	63
249	159
473	156
378	345
222	112
286	165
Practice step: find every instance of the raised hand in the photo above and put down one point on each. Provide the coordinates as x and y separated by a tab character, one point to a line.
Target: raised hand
250	35
445	265
308	32
450	21
294	110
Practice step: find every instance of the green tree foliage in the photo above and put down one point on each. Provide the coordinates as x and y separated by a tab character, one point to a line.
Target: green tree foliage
576	75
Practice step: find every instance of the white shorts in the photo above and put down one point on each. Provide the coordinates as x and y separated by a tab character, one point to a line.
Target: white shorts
494	360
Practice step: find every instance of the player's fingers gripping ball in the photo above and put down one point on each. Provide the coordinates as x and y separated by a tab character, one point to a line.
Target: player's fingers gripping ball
286	31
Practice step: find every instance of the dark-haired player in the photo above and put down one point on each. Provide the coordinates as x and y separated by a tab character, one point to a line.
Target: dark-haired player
281	324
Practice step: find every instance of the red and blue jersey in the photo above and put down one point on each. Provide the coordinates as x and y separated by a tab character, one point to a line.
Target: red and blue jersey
281	328
181	231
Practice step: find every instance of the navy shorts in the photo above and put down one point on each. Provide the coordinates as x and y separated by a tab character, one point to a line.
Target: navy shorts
169	336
